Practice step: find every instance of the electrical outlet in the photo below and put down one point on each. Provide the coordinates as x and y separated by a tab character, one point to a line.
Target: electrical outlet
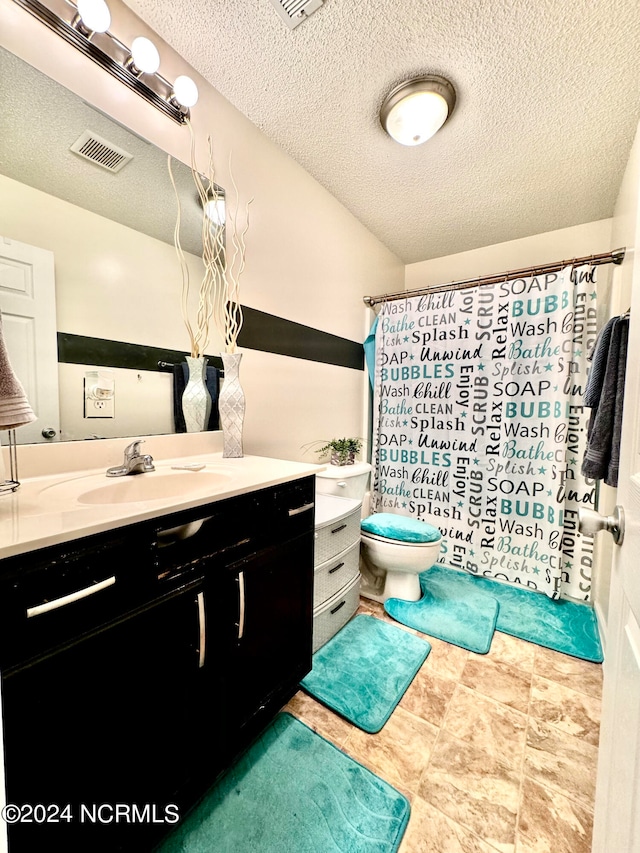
98	408
99	394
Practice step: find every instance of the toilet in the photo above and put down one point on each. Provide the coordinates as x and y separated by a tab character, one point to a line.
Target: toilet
394	549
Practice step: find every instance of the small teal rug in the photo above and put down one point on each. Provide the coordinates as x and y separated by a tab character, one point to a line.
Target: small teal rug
365	669
467	620
294	792
565	626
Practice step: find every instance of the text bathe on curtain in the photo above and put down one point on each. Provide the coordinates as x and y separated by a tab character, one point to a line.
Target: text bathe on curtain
479	426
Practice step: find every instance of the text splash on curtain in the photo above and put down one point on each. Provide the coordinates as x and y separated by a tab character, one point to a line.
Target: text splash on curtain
480	429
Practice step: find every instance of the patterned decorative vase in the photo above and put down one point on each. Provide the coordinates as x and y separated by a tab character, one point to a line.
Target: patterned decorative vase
231	405
196	400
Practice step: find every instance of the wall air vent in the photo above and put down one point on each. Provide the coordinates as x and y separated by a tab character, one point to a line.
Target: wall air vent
294	12
101	152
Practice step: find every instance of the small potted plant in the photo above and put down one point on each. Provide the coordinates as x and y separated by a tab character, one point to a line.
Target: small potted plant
343	450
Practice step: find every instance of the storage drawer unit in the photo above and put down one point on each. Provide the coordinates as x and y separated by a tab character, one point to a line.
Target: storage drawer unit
335	613
336	573
337	565
337	534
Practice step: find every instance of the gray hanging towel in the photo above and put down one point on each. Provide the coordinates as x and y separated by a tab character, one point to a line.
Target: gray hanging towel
602	455
598	359
15	410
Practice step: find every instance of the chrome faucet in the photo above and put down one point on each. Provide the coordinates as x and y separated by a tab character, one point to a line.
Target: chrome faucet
134	462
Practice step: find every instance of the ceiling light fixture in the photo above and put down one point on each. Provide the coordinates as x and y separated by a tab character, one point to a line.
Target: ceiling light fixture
416	109
85	25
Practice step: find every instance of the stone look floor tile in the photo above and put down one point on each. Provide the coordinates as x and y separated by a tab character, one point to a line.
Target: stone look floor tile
478	780
552	823
320	719
562	762
430	831
568	710
473	789
399	752
488	725
578	674
498	681
428	695
445	659
510	650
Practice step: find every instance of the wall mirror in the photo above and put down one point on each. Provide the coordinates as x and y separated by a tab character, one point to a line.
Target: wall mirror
106	227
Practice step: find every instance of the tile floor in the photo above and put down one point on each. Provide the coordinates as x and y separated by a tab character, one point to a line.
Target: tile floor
495	752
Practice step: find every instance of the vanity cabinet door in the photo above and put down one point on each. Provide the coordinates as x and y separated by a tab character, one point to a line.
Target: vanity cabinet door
271	597
113	719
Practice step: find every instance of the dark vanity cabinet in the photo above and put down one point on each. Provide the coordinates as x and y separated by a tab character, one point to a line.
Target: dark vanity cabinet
137	664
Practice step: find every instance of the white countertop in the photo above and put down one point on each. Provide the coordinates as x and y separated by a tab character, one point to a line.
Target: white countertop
52	509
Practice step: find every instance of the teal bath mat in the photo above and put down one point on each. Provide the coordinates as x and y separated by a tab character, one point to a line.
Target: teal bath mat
294	792
460	616
363	672
564	626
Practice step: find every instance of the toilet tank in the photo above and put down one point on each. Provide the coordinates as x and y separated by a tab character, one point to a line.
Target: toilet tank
344	481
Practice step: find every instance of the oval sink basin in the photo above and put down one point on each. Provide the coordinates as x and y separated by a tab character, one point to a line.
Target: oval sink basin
136	488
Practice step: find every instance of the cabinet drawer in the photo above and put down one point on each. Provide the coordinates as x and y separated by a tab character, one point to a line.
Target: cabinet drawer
333	614
332	576
336	536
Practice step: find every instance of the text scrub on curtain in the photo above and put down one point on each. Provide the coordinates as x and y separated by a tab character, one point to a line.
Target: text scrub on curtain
480	429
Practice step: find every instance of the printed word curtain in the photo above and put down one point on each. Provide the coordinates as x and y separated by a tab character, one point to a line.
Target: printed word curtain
479	426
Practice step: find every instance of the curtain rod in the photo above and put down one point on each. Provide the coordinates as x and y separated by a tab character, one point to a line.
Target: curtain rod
614	257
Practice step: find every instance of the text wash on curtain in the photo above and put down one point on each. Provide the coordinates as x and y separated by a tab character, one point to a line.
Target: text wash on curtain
480	428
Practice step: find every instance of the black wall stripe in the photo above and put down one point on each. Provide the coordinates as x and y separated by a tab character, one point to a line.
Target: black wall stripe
261	331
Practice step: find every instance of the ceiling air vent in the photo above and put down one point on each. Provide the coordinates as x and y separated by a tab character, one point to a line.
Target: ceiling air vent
294	12
101	152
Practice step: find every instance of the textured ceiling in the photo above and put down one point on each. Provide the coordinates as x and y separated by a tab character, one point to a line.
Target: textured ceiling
548	102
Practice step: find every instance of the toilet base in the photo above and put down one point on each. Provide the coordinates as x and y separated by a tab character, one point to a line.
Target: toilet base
404	585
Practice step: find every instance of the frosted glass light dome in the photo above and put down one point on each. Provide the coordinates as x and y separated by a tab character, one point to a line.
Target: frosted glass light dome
415	110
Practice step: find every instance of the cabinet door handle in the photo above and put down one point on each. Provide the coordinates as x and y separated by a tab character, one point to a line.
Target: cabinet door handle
300	509
335	568
337	607
338	529
241	603
68	599
202	626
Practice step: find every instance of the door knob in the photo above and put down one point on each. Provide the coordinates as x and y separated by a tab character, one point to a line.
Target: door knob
590	522
49	432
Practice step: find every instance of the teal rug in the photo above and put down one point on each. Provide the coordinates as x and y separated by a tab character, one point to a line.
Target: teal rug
565	626
364	670
465	618
294	792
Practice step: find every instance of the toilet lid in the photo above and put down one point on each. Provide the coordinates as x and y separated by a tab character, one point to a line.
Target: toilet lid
400	528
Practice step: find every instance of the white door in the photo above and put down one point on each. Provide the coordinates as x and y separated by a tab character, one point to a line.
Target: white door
28	305
617	811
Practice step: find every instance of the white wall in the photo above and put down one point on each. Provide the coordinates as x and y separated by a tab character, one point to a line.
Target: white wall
308	259
588	239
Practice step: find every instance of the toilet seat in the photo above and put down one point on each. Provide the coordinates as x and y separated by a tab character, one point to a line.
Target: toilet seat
366	535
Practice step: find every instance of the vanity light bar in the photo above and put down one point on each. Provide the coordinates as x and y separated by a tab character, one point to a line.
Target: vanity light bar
113	56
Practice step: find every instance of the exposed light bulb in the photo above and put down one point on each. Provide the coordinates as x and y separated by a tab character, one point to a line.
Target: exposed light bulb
417	117
95	15
185	91
145	55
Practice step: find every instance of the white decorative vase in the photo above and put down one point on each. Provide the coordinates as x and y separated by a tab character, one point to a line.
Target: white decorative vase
231	405
196	400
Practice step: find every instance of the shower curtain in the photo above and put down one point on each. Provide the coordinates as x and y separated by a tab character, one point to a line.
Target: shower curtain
479	426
